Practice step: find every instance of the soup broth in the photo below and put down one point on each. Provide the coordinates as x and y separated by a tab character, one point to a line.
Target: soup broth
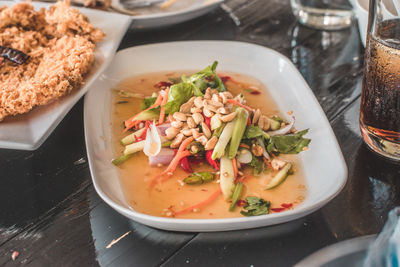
173	195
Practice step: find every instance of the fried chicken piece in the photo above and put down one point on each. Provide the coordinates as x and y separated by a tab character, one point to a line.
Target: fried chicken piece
61	43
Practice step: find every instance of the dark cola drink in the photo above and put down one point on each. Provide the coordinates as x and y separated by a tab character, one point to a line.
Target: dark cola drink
380	99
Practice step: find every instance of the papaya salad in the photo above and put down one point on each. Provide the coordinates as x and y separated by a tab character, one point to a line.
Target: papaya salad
198	142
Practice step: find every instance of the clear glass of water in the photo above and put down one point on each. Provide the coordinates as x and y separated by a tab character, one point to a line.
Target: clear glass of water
323	14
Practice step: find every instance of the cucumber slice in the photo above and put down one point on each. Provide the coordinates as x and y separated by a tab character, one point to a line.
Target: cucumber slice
129	139
227	177
134	147
279	177
275	125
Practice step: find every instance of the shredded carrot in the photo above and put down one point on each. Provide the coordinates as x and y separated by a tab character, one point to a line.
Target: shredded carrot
175	161
132	124
244	145
185	143
235	168
248	120
267	163
163	102
128	122
166	174
182	153
199	205
233	101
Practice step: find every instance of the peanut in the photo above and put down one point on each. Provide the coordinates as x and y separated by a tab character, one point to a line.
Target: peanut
187	132
208	113
257	150
266	123
229	117
177	124
191	123
177	141
171	132
223	111
256	116
206	130
198	102
216	98
179	116
211	143
202	139
227	95
195	110
197	117
277	164
196	133
185	108
210	108
216	104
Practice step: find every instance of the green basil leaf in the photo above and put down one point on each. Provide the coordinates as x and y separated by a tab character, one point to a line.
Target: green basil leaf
147	102
255	206
178	94
290	143
207	78
258	165
253	132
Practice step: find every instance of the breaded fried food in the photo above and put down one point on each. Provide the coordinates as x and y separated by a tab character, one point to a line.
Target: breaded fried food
60	42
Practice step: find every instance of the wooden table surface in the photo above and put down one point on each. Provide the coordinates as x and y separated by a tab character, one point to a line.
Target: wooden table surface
51	215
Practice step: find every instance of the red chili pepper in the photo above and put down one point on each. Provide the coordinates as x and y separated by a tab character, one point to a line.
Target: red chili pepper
144	134
287	206
210	160
162	84
207	120
284	206
195	160
224	79
254	92
277	209
185	165
240	203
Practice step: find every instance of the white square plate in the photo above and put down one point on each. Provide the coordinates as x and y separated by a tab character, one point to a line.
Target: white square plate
30	130
323	163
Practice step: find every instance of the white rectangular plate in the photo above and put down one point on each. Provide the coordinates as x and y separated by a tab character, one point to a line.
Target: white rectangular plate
30	130
323	163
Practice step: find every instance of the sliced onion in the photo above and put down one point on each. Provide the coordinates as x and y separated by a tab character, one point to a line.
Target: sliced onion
244	156
152	145
163	127
283	130
164	157
261	143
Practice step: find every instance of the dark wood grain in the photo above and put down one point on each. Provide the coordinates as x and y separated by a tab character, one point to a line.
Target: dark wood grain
373	185
50	213
281	245
34	182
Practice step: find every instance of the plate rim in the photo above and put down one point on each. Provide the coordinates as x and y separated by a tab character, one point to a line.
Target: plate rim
169	14
330	252
36	143
286	216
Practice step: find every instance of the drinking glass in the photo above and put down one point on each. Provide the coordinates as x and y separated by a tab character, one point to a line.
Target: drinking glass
380	97
323	14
